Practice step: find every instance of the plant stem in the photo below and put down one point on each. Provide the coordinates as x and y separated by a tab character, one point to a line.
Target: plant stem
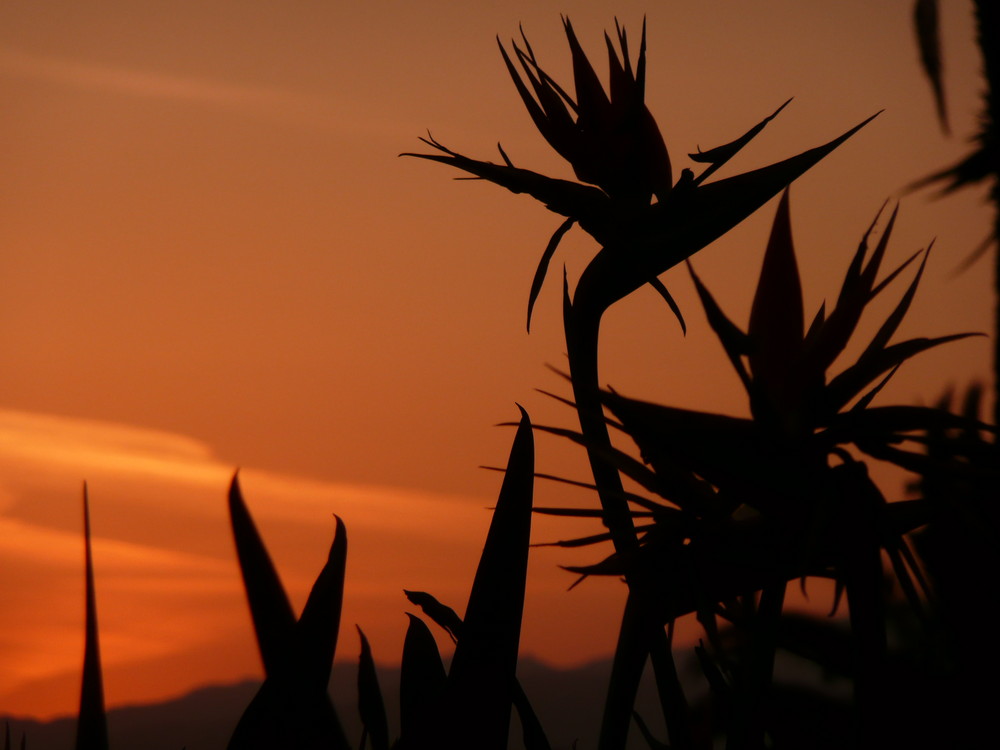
641	632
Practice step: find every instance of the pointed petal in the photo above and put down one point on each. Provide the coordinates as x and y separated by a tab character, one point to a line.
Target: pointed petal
620	81
549	114
590	96
719	155
586	203
734	341
534	110
543	265
671	302
640	64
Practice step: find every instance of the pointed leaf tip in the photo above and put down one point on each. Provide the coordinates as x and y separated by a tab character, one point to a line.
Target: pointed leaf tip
92	727
371	706
481	681
543	265
270	609
776	317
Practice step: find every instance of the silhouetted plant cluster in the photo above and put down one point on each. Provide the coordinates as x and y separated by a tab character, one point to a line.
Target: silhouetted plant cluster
727	511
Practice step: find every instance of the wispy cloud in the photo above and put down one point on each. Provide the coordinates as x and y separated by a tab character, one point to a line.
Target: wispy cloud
264	101
72	444
166	574
168	585
141	83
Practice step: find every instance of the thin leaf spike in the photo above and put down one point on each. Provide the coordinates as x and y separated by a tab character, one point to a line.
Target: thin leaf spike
273	620
543	265
734	341
590	96
292	707
671	302
92	724
776	318
319	623
856	292
481	682
871	270
888	328
718	156
370	703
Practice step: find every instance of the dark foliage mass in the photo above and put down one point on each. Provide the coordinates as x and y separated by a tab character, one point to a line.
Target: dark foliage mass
722	513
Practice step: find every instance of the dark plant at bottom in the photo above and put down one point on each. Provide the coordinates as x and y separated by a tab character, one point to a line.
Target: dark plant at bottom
746	505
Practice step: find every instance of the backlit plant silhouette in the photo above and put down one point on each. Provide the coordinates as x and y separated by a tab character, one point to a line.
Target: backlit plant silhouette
611	141
814	510
982	163
729	510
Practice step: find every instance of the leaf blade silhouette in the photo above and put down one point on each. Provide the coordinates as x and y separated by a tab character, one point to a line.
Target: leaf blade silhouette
421	683
776	317
481	680
92	723
273	620
543	265
371	707
319	624
292	707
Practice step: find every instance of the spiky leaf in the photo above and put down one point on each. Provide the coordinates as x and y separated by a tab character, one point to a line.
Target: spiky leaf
371	707
92	723
481	681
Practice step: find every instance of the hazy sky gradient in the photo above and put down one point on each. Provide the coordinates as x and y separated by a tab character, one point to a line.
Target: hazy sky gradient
212	257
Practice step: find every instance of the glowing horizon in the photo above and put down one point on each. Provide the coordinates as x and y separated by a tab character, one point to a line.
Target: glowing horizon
197	604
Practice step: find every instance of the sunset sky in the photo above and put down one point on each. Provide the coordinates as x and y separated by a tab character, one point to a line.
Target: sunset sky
211	257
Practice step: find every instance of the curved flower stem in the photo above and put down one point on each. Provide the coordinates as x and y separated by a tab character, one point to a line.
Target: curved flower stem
582	328
641	633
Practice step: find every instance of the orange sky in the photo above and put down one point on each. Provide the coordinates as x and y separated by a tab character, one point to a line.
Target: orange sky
211	256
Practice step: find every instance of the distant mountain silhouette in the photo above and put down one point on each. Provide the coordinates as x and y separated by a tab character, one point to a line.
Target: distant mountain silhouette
568	702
